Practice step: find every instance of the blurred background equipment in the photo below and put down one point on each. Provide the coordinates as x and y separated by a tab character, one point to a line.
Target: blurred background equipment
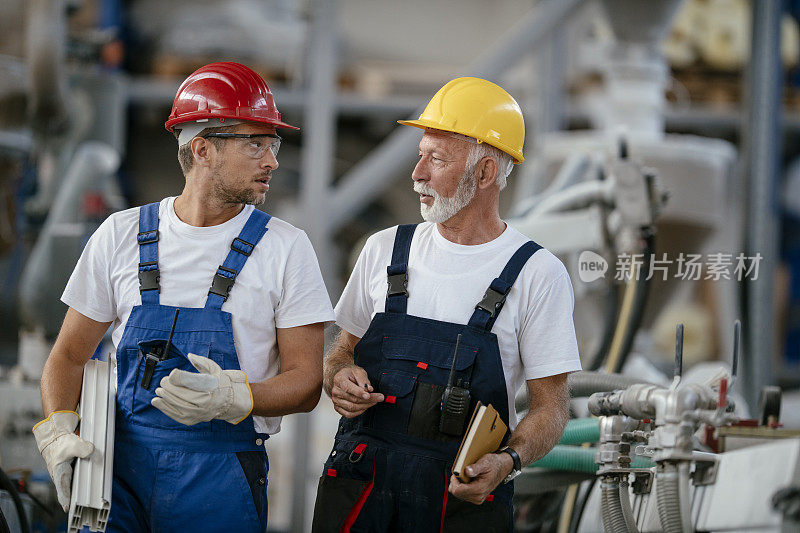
662	169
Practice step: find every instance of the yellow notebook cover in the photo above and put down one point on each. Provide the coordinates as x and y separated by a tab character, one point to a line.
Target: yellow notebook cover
484	435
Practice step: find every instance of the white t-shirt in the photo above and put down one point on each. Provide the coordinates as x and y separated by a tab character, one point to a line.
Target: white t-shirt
280	285
446	280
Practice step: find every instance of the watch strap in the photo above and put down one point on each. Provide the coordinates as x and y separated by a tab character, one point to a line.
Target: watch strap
517	463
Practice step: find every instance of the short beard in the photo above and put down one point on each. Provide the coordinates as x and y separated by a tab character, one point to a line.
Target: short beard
229	195
444	209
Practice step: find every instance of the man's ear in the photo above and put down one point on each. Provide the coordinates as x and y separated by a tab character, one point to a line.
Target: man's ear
486	173
201	151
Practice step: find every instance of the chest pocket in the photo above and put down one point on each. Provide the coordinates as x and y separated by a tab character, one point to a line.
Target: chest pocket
430	359
414	375
143	412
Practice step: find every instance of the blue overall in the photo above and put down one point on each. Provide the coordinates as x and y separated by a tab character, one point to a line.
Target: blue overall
390	467
168	476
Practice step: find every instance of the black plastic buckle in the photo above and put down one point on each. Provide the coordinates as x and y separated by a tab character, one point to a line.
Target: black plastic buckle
492	301
398	283
221	285
243	251
148	279
142	239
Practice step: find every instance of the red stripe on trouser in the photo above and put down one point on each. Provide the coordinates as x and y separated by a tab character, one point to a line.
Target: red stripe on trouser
444	499
356	510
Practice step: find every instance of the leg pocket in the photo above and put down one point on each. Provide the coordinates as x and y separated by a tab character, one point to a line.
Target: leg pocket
344	487
489	517
337	498
254	466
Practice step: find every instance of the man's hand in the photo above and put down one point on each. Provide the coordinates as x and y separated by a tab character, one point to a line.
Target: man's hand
59	445
352	393
486	474
190	398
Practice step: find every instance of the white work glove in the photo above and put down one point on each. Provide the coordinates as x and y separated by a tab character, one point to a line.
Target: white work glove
59	445
189	398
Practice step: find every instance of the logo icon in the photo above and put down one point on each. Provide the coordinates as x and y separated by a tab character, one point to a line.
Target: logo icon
591	266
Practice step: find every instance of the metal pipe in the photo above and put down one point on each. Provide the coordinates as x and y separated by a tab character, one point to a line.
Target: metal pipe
763	141
371	175
93	162
45	50
625	505
319	134
613	519
585	382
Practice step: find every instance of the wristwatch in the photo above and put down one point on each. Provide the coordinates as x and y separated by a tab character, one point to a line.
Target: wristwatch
517	463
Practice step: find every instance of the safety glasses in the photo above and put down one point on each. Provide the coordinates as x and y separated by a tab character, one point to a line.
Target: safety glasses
254	145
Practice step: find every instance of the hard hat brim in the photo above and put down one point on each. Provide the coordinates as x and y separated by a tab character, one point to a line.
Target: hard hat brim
424	124
172	123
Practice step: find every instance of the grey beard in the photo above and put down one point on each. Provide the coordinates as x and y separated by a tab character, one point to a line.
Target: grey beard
444	209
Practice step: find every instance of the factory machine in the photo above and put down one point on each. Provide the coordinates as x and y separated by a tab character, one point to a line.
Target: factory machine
648	451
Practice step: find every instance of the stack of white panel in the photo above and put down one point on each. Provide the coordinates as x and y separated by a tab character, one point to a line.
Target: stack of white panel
91	483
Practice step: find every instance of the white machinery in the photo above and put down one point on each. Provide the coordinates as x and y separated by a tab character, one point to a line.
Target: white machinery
688	489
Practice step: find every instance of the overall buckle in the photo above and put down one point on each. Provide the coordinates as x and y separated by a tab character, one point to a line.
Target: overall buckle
221	285
148	279
398	284
242	246
147	237
492	302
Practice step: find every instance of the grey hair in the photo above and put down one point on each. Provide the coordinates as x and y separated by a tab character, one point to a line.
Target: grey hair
504	161
185	155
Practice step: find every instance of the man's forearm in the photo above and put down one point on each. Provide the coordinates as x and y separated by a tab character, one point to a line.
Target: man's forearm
63	372
293	391
61	383
537	433
338	357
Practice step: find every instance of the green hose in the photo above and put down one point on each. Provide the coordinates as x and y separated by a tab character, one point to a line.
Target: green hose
581	430
575	459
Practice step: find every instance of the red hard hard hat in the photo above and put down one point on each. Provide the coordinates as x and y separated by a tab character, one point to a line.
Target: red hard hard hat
225	90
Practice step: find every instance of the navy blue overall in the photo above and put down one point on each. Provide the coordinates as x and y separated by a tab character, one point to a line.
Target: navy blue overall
171	477
390	467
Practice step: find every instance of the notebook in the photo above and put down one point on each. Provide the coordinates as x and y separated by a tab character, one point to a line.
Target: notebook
484	435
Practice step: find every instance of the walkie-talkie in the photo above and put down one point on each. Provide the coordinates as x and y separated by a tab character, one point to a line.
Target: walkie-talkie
455	402
157	354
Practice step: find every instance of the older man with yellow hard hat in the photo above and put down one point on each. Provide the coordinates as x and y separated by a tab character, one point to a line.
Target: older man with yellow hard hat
459	307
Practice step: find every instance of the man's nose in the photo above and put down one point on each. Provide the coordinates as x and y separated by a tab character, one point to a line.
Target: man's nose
420	172
269	160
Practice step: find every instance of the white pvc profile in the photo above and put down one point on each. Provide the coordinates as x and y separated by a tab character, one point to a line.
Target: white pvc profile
90	503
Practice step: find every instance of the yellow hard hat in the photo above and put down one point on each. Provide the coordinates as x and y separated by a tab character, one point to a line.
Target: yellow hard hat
476	108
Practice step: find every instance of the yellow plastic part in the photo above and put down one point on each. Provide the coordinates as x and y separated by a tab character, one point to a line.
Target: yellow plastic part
252	402
40	422
476	108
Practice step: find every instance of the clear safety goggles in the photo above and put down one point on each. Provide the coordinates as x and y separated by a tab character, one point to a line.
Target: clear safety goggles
254	145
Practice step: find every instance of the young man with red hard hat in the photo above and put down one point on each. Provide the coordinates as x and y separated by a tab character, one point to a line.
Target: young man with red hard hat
461	306
218	312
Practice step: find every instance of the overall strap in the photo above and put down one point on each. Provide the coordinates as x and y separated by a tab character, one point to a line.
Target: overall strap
487	309
241	248
148	253
397	271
